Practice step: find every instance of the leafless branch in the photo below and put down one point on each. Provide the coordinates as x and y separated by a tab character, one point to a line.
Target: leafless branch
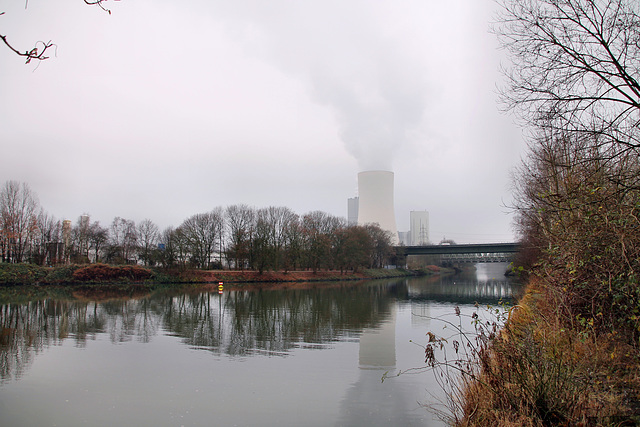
575	65
35	53
98	3
39	51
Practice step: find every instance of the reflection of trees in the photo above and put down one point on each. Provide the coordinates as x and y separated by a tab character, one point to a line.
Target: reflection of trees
28	328
244	322
236	323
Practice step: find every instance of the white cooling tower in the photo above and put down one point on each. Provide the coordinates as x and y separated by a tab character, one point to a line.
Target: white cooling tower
375	201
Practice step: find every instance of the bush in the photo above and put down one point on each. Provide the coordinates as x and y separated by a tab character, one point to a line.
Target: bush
531	372
61	274
26	274
107	273
579	216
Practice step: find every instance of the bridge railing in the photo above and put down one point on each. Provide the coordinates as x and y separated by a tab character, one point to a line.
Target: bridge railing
477	258
464	249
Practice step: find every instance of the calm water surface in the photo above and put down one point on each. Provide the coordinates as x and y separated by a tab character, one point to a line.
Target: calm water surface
312	357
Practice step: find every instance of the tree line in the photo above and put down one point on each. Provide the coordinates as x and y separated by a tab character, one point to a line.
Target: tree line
235	237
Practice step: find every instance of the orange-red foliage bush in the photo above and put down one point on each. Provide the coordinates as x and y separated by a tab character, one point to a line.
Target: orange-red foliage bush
104	273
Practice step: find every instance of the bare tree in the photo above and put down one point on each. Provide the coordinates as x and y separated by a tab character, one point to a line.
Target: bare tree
123	240
81	234
279	221
261	249
272	235
317	227
239	223
203	233
49	249
148	234
18	219
40	51
382	245
352	247
180	245
574	68
293	242
172	251
98	238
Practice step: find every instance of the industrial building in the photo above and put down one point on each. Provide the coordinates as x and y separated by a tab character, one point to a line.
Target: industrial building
375	201
375	204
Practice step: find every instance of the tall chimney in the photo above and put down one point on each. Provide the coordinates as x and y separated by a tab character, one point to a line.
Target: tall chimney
375	201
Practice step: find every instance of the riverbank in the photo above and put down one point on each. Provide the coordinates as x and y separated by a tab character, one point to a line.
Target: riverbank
539	371
28	274
249	276
26	282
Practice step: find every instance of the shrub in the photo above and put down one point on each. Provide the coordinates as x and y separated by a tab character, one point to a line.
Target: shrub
106	273
579	216
13	274
533	372
135	272
61	274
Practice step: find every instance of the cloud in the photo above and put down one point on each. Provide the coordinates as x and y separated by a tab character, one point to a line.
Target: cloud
164	109
353	59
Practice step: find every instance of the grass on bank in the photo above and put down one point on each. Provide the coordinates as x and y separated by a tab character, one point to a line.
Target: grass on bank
539	372
29	274
27	282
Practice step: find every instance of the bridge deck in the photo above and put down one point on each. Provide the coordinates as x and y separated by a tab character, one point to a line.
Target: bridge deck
475	248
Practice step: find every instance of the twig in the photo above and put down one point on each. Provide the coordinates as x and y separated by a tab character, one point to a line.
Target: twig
33	53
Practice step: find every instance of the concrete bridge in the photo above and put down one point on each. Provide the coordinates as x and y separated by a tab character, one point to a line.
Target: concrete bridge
465	253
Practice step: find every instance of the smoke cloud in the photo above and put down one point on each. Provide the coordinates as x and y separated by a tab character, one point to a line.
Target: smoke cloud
354	59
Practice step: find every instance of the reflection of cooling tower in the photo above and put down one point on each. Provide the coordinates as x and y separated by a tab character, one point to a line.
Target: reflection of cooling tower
375	205
378	345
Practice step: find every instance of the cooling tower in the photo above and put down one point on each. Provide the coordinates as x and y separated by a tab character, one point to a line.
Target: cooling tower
375	201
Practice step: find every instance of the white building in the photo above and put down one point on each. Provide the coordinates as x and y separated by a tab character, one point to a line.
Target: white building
352	211
403	237
375	201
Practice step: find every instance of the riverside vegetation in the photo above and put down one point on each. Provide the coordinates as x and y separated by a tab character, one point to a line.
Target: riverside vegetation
104	274
569	352
238	237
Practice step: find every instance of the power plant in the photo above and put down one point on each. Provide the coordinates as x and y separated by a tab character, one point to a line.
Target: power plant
375	204
375	201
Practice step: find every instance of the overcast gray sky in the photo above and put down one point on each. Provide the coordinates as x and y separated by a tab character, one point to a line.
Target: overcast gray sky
168	108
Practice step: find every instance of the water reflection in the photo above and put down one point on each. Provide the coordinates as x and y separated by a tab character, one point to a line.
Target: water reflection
377	354
161	348
466	288
238	323
241	323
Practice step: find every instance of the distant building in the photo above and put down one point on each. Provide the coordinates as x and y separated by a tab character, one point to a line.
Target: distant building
84	221
352	211
66	232
419	228
403	237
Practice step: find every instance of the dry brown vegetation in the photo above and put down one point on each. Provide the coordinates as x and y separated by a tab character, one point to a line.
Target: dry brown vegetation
107	273
569	353
538	372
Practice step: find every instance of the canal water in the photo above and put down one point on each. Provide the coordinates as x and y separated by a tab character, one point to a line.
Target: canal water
293	357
